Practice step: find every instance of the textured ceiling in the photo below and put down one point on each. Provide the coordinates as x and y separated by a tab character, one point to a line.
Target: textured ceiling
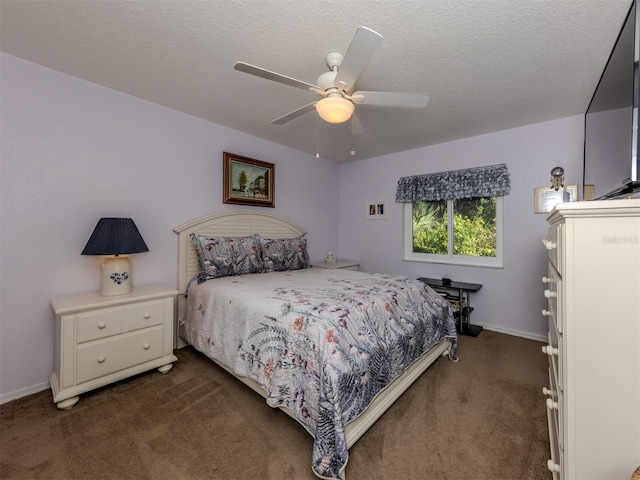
488	65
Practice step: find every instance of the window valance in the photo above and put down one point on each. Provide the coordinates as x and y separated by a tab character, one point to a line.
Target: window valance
489	181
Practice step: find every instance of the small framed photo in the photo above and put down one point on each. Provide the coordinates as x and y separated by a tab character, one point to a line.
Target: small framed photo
376	210
247	181
545	198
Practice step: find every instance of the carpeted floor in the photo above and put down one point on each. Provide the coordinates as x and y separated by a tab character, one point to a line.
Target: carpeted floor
481	418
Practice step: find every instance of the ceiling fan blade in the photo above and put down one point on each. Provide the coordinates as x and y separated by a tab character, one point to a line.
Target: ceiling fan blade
355	127
276	77
364	45
295	114
391	99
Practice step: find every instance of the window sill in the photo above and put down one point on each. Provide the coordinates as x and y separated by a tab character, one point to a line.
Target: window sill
462	263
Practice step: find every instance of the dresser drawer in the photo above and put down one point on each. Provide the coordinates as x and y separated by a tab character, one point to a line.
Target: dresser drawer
110	355
554	464
99	324
143	315
551	292
554	351
557	396
553	244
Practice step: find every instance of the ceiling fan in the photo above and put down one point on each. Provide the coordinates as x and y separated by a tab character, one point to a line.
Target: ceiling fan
336	86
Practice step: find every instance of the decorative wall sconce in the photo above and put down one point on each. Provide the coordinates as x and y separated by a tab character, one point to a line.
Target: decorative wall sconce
557	178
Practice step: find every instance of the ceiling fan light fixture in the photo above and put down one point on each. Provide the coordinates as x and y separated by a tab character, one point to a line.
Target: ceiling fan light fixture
335	109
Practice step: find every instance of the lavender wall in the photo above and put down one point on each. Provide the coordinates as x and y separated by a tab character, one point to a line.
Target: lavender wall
511	298
73	152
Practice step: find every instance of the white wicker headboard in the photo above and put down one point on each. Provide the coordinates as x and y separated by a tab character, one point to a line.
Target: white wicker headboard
235	223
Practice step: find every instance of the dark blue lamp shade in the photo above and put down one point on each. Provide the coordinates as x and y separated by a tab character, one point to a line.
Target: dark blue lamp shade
115	238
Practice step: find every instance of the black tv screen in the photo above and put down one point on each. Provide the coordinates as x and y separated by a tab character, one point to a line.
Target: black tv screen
611	121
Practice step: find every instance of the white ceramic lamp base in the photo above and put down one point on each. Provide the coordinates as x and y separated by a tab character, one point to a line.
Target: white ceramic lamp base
115	276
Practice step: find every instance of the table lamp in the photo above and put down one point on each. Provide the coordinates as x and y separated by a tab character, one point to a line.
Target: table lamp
115	238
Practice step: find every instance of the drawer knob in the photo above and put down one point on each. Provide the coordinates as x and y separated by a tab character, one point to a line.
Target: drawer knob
551	405
102	325
546	280
546	313
101	359
548	392
550	350
146	346
548	244
550	294
147	315
552	466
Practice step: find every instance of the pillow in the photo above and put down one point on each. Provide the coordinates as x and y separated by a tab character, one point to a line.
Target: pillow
227	256
280	254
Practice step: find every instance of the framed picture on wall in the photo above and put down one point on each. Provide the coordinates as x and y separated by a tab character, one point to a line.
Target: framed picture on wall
247	181
376	210
545	198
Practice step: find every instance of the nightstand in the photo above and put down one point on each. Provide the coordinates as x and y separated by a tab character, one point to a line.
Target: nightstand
343	264
100	340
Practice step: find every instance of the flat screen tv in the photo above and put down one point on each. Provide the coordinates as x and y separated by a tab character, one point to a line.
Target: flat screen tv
611	121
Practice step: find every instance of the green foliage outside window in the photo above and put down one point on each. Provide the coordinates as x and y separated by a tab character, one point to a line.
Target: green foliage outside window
474	227
430	224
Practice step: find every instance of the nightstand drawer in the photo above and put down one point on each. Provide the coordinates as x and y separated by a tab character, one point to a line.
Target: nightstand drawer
103	357
99	324
143	315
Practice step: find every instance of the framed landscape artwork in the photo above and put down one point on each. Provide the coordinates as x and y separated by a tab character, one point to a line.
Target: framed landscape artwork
247	181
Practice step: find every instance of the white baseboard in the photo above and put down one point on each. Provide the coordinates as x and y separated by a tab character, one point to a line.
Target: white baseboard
516	333
23	392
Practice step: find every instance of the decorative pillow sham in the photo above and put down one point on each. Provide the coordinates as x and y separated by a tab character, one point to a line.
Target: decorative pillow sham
280	254
227	256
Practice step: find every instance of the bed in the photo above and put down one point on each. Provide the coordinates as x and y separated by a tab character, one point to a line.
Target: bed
309	340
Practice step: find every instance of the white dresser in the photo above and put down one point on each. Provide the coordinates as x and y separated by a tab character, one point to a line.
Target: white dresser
100	340
593	292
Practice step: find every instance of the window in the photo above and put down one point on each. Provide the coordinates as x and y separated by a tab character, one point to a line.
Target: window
456	216
466	231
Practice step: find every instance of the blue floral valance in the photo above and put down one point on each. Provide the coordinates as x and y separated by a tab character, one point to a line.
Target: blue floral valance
468	183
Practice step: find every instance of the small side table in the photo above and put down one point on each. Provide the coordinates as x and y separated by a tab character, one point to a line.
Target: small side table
100	340
462	300
343	264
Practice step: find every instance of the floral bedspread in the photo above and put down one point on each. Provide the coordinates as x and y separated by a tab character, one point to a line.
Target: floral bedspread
321	342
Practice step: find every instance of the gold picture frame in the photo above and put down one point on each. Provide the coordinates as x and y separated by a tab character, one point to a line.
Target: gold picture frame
247	181
545	198
588	192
